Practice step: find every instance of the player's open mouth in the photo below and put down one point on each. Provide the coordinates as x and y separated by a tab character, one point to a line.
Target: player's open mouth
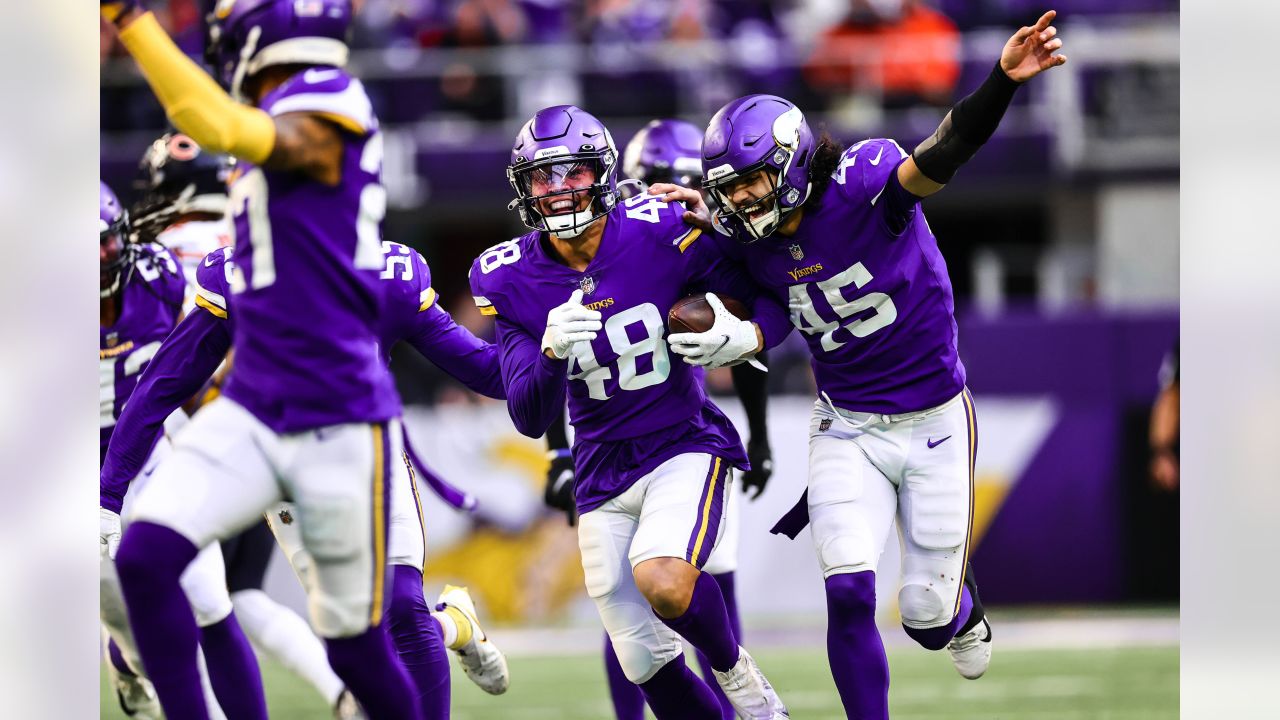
561	206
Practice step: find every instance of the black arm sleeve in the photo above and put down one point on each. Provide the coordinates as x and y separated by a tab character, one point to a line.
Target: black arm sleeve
752	388
969	124
558	433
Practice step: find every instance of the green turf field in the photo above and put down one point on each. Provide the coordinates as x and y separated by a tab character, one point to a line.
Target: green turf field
1038	684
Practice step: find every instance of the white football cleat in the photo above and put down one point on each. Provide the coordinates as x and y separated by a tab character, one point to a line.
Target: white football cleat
481	660
971	652
751	695
136	695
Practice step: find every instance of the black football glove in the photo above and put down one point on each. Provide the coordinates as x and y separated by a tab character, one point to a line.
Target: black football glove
558	493
761	458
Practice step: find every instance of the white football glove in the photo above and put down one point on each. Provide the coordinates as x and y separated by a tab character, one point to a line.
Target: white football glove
729	341
108	533
568	324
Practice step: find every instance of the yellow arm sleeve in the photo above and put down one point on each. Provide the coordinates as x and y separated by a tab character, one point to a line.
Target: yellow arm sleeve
193	101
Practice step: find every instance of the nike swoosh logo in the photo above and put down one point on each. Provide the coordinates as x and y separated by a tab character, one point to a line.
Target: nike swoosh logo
933	444
208	261
315	75
877	197
877	160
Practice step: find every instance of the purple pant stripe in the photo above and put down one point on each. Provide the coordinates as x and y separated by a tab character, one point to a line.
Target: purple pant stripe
710	508
381	514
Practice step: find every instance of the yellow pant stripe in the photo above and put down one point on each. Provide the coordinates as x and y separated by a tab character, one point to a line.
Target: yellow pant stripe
706	511
972	426
379	526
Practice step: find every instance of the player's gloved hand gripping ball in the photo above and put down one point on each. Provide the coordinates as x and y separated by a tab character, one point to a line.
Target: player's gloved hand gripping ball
729	339
569	323
558	493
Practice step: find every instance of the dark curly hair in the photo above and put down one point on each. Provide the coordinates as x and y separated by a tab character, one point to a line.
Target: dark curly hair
826	158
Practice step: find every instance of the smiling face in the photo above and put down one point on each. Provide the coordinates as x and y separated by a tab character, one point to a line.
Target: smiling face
746	192
562	188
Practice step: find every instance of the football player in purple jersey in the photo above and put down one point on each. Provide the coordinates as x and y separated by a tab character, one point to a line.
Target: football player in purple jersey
309	412
652	455
142	290
839	235
185	362
669	151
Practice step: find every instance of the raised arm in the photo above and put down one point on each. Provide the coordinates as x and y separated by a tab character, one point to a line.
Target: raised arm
974	119
199	107
185	360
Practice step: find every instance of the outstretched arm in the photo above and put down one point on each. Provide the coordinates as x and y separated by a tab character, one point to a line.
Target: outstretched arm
468	359
974	119
200	108
185	360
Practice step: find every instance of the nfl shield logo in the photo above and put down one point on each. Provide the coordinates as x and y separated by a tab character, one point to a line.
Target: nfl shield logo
824	424
286	517
796	252
588	285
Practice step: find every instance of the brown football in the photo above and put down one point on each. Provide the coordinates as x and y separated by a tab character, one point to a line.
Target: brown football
694	313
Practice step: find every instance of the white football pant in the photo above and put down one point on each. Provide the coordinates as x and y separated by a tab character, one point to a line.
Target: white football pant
867	468
677	510
228	468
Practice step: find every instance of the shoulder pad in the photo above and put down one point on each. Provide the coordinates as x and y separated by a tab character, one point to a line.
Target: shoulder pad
212	281
662	221
490	271
865	169
325	91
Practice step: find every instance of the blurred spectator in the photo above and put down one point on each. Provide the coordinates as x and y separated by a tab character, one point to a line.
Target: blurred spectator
904	50
1164	431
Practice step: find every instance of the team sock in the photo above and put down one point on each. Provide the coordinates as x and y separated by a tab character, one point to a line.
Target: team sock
705	624
676	693
854	648
419	642
233	670
729	592
627	697
150	562
284	636
455	627
369	667
937	638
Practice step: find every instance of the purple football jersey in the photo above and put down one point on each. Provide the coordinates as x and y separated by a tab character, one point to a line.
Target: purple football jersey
305	283
875	307
150	305
632	402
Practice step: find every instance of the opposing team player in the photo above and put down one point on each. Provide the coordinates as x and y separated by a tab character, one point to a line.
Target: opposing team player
839	234
652	454
184	202
190	355
142	291
669	151
309	411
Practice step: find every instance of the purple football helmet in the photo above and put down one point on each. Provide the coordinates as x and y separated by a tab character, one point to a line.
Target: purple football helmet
562	156
113	232
177	177
665	151
246	36
752	133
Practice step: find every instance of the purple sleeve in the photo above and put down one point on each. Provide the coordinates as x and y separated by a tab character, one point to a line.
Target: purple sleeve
535	383
712	271
186	359
470	360
898	204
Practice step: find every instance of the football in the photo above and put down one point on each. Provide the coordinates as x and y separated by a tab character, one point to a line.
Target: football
694	313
